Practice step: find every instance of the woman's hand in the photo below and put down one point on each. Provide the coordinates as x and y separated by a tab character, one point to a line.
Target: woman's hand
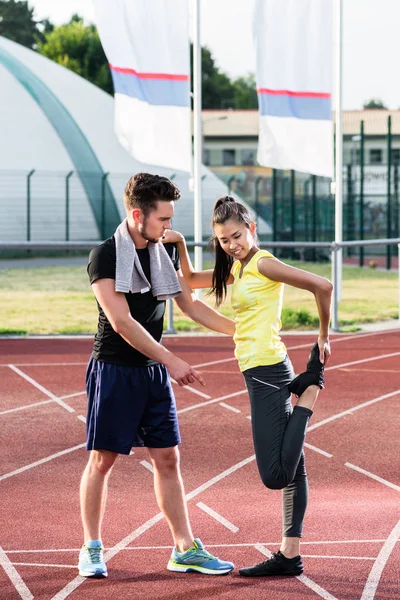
172	237
324	349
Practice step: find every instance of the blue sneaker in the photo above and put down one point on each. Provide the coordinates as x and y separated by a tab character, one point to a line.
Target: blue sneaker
91	562
198	559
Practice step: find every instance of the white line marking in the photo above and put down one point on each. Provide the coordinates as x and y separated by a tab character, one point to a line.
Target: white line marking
21	564
305	580
4	412
41	461
201	404
75	583
72	395
372	476
380	563
41	388
248	417
214	362
147	465
229	407
363	360
338	557
218	517
48	364
318	450
192	389
349	411
265	383
14	576
81	418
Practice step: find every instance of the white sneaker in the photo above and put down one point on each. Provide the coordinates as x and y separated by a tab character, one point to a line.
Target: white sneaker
91	561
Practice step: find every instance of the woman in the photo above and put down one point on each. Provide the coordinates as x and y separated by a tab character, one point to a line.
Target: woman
278	429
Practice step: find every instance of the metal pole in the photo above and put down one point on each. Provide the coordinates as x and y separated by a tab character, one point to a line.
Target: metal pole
28	205
197	141
361	191
335	273
339	144
350	209
314	214
396	201
398	267
274	207
170	311
389	186
256	201
103	205
67	205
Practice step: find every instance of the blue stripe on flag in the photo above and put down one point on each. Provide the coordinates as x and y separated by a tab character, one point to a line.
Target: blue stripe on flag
160	92
285	105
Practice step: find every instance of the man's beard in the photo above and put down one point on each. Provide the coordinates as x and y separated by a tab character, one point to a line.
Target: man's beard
145	235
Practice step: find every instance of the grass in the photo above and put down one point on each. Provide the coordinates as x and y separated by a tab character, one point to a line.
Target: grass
59	300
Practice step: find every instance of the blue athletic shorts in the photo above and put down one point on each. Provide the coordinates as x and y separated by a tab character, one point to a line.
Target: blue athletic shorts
129	406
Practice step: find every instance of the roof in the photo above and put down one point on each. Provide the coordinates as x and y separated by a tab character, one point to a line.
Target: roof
244	123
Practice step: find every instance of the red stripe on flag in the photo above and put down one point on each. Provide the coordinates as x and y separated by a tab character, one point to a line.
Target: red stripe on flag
294	94
164	76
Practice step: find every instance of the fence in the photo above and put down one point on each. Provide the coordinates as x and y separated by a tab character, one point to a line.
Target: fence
333	247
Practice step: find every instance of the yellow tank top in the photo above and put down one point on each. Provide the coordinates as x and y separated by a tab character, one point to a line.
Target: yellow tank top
257	302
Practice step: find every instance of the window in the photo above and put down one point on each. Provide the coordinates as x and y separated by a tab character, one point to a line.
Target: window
248	157
375	156
228	157
396	156
206	156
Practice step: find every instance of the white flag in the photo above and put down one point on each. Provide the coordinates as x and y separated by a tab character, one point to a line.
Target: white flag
147	45
294	80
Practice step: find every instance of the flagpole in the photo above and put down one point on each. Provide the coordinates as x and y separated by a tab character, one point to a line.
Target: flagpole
339	149
197	140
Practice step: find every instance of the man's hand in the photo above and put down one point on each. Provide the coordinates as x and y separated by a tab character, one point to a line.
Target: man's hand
171	236
182	372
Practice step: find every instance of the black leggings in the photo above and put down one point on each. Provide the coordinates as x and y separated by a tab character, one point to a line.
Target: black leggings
278	433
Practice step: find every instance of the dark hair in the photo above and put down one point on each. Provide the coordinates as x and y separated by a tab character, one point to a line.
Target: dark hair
225	208
144	189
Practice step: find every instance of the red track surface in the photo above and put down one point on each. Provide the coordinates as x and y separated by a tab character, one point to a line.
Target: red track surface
354	508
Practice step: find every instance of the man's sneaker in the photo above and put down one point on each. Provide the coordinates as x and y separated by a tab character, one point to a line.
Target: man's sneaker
314	374
91	562
198	559
278	564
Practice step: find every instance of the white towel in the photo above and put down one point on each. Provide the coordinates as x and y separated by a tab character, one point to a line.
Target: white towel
129	276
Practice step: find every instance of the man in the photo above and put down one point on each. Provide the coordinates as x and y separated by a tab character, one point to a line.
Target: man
130	398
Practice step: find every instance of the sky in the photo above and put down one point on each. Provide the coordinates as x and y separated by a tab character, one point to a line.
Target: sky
371	41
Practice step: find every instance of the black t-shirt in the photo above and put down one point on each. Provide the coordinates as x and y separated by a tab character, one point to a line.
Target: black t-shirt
109	346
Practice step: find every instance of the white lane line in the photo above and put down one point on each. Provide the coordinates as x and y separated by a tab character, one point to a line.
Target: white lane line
218	517
147	465
81	418
380	563
41	461
47	364
350	411
318	450
362	360
338	557
41	388
372	476
5	412
305	580
248	417
192	389
75	583
72	395
201	404
21	564
14	576
229	407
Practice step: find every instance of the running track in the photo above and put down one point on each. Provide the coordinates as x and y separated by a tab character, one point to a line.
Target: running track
351	547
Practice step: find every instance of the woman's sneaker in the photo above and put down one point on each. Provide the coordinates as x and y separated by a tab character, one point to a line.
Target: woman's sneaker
198	559
278	564
91	561
314	374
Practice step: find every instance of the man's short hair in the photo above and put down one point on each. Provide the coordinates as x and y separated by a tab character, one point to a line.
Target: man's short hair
144	189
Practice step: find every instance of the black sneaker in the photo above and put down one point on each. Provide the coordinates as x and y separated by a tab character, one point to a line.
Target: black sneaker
314	375
278	564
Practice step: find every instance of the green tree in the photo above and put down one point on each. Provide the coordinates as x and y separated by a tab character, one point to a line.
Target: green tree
77	47
375	103
17	23
245	92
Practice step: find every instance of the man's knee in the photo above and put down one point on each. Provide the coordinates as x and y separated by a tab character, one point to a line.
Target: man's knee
273	481
165	460
102	461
